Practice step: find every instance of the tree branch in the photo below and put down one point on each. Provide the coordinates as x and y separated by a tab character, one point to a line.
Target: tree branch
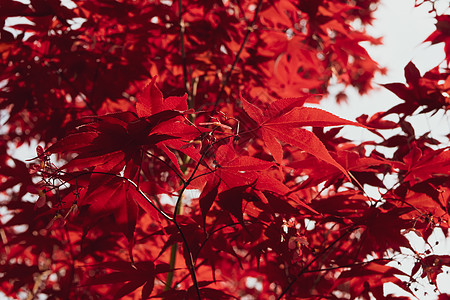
169	166
305	268
174	248
183	54
236	59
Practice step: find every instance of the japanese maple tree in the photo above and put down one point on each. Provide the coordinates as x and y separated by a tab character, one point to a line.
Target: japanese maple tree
178	157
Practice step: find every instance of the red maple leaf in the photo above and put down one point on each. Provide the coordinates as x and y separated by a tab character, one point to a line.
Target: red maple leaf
281	123
442	34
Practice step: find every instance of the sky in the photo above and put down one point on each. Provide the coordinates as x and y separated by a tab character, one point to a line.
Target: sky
403	28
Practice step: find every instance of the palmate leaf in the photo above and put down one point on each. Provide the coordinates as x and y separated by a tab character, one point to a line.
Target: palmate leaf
151	101
442	34
419	91
359	165
301	138
113	197
109	144
233	176
238	178
281	123
421	167
431	266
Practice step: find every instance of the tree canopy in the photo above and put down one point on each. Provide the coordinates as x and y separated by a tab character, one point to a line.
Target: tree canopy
178	156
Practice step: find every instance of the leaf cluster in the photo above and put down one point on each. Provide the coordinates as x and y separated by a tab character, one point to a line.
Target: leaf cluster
178	157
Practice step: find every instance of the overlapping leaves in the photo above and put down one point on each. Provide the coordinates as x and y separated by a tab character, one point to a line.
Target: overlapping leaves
282	122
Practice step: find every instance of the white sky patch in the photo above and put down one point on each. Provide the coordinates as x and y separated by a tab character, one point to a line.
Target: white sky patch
403	28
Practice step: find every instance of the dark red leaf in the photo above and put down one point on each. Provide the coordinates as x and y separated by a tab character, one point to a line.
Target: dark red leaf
208	196
412	74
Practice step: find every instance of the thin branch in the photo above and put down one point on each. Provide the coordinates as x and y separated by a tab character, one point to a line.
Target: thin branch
219	229
177	210
203	174
186	276
191	264
169	166
250	29
166	216
183	53
305	269
191	260
146	198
